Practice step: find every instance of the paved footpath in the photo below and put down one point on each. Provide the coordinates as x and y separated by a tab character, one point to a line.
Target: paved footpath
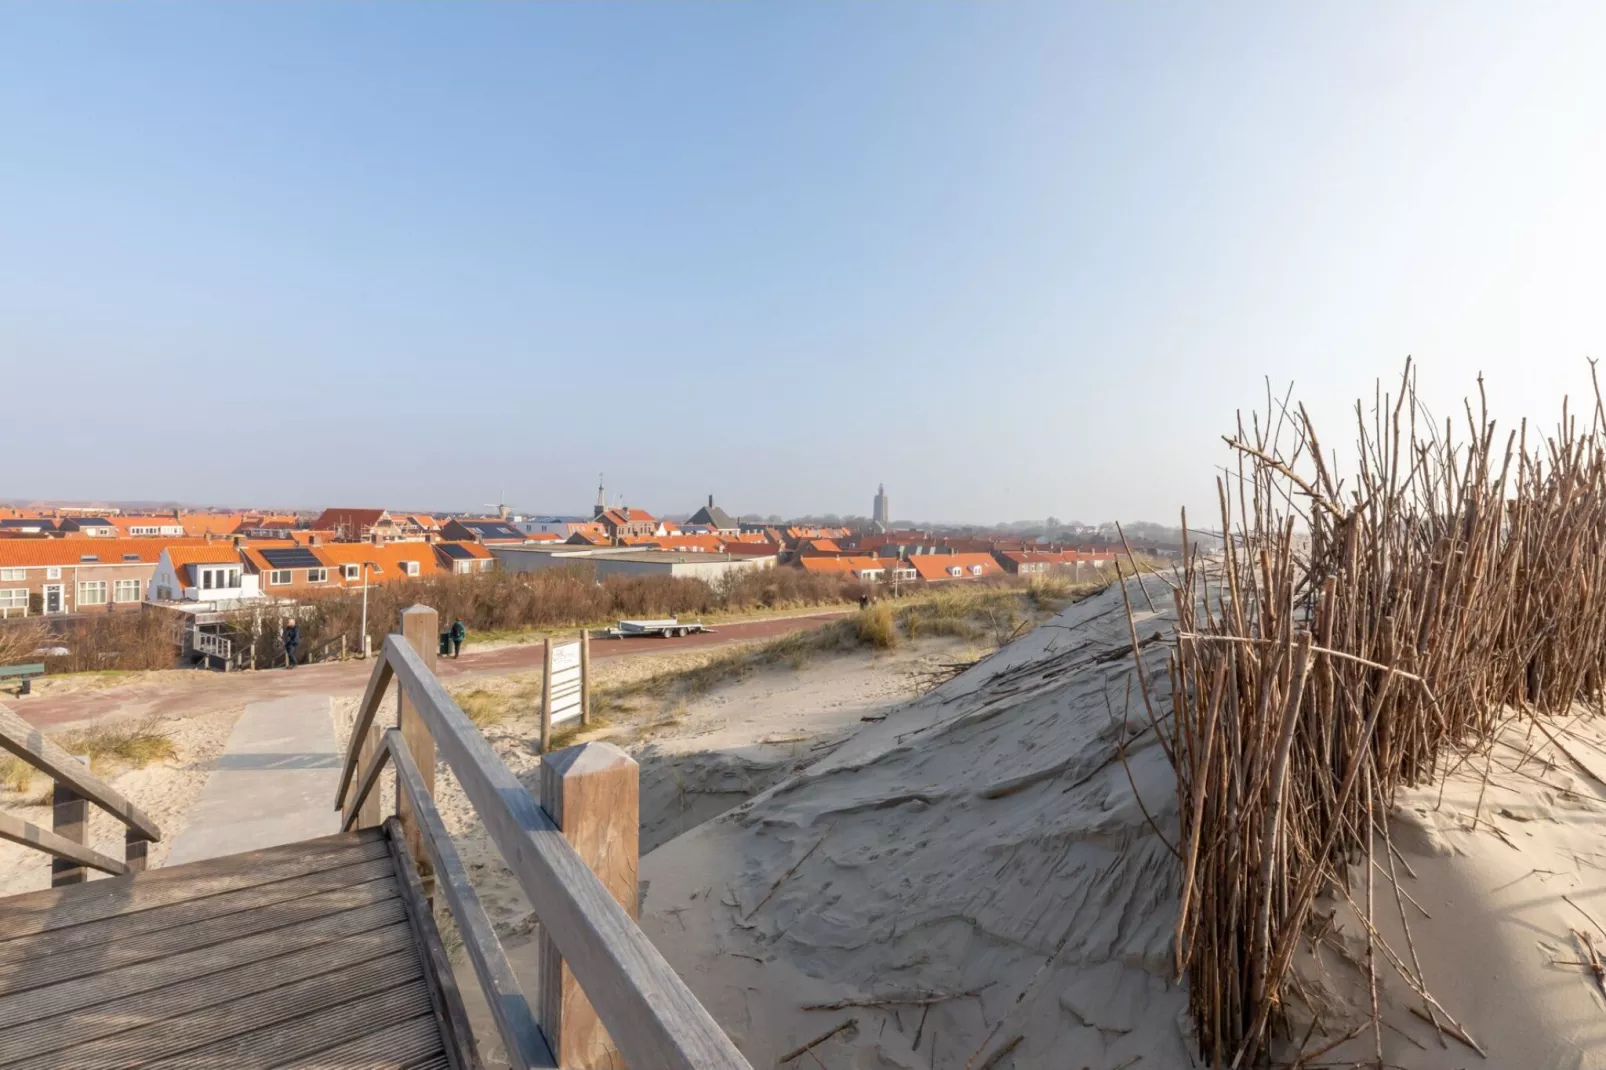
190	692
273	784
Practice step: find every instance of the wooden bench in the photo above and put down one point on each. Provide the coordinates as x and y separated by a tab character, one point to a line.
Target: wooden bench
25	673
604	989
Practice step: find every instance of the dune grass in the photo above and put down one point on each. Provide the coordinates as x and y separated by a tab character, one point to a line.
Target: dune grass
131	743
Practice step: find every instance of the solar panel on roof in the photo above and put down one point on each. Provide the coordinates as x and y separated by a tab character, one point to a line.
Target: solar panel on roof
296	558
456	550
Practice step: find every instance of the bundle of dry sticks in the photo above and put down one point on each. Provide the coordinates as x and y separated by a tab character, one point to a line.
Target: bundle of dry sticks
1357	633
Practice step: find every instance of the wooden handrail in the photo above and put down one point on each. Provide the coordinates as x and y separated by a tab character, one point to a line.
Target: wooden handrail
17	830
651	1015
32	746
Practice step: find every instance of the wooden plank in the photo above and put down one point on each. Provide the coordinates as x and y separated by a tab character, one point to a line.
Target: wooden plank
21	1007
54	844
324	1032
87	961
364	799
378	680
230	987
190	911
510	1010
69	819
592	794
32	746
420	634
457	1036
585	676
60	908
173	1036
652	1015
395	1048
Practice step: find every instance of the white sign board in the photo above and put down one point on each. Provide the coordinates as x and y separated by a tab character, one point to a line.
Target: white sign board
565	671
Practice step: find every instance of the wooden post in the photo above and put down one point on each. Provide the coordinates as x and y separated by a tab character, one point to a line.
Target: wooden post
368	815
420	628
134	847
592	793
585	676
546	696
69	819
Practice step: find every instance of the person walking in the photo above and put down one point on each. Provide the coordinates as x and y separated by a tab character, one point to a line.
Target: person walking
458	634
291	638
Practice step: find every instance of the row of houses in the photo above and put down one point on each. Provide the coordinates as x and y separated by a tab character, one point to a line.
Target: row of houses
89	574
943	567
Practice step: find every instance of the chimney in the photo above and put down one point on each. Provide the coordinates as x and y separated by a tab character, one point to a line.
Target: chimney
314	540
710	501
238	540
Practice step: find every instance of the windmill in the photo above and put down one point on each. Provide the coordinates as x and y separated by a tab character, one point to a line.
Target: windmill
500	506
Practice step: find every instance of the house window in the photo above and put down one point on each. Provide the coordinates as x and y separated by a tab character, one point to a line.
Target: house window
125	591
955	570
52	573
16	598
353	572
465	566
975	570
279	578
92	593
219	578
410	567
317	575
130	557
13	574
89	557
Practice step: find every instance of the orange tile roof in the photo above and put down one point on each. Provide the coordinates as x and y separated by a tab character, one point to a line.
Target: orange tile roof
385	561
936	566
36	553
210	523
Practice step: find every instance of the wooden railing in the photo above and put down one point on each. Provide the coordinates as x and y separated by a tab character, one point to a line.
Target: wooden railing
604	990
75	787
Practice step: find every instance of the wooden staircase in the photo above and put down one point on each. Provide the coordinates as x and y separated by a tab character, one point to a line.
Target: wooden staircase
324	954
315	954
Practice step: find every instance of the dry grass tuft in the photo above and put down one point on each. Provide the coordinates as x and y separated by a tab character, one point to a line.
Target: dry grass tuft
135	743
16	775
876	627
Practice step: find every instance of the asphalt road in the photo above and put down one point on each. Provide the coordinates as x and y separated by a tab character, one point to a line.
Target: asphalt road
181	694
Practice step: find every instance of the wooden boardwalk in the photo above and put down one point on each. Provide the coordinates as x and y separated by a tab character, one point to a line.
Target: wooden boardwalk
323	954
314	954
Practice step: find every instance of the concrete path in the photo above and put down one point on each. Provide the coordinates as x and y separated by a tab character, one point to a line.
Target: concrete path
273	784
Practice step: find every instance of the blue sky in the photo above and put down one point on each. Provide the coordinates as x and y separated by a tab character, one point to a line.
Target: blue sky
1012	259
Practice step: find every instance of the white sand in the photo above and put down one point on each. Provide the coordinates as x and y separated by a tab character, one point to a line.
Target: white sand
164	790
981	849
1507	900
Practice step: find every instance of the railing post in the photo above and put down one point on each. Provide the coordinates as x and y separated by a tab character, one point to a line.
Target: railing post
420	628
368	815
592	793
68	819
134	847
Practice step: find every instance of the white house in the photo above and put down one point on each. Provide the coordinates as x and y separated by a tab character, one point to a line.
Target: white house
203	574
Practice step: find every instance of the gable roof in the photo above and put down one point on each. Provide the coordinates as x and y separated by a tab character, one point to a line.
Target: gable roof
617	517
349	522
36	553
936	566
210	523
855	565
712	516
385	562
494	529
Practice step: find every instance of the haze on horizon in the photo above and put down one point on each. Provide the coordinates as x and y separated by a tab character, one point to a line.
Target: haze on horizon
1012	260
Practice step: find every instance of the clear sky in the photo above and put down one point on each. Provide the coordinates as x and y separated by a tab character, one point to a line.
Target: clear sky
1013	259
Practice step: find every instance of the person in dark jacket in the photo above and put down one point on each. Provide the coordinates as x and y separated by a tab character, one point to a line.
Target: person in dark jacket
292	639
458	634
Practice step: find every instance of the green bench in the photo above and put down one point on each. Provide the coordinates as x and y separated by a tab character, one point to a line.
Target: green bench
25	673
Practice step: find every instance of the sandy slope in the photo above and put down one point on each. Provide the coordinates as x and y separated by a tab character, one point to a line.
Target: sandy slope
971	882
164	790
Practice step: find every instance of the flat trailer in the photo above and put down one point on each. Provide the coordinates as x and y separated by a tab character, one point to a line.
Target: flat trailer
669	626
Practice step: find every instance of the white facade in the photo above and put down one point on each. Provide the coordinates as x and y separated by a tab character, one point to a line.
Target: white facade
211	581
